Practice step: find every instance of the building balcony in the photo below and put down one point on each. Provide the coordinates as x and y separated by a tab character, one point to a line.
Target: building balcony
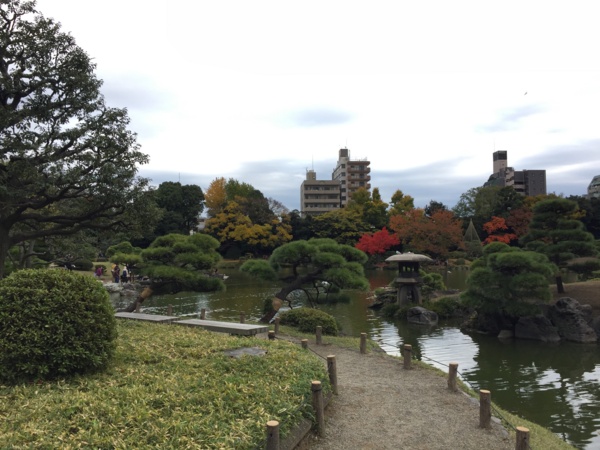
359	169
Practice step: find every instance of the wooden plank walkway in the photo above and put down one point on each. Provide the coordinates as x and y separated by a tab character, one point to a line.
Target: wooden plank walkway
225	327
210	325
146	317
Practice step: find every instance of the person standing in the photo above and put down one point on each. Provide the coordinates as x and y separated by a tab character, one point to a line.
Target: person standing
124	275
116	273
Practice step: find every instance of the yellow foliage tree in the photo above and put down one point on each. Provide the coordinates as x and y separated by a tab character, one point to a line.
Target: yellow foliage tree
232	227
215	197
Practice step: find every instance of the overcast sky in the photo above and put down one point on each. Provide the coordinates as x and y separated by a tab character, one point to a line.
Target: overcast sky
261	91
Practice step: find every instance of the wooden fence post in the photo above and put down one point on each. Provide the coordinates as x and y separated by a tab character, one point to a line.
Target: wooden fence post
522	439
277	319
363	343
452	372
318	405
272	435
485	408
242	317
202	314
319	334
332	369
169	310
304	343
407	356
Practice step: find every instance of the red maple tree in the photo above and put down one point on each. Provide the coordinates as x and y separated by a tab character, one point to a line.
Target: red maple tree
495	229
377	243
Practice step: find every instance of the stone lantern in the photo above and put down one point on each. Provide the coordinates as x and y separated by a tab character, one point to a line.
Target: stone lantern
408	280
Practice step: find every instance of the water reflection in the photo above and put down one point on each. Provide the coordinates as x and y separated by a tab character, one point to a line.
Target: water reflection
556	386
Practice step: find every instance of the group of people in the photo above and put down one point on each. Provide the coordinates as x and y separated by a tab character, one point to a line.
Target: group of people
121	276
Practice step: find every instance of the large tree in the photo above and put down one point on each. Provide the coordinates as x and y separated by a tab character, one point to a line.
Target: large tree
344	225
67	161
436	235
508	280
556	232
182	204
238	234
372	209
401	203
316	265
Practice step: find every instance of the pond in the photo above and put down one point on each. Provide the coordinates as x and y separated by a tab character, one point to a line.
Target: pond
556	386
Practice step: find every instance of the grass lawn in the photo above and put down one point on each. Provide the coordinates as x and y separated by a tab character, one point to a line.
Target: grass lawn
168	387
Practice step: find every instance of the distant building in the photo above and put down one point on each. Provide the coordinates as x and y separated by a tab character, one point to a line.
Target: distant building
525	182
318	196
594	187
321	196
352	175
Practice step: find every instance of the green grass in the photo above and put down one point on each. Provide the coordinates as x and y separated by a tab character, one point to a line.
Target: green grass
168	387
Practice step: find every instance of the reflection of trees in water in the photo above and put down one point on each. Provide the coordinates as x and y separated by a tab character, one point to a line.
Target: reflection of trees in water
555	385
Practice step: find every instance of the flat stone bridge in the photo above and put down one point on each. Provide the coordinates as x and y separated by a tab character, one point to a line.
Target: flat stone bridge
243	329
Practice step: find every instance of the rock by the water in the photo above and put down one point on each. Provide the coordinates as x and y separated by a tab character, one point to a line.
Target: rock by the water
113	287
421	316
536	327
506	334
572	320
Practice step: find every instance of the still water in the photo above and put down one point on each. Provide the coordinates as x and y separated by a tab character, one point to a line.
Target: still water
556	386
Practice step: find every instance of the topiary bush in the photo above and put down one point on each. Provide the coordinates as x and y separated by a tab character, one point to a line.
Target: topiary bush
448	307
54	323
307	320
83	264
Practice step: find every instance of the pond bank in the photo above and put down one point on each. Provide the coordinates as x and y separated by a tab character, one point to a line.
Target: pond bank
381	405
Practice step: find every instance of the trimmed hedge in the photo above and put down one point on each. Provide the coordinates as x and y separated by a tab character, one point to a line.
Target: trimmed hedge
54	323
307	320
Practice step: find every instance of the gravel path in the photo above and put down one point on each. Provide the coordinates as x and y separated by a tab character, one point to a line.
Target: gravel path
381	405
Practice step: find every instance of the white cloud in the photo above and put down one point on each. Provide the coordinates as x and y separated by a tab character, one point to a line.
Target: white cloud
426	91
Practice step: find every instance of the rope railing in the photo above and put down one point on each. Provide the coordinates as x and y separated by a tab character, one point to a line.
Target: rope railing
272	438
522	441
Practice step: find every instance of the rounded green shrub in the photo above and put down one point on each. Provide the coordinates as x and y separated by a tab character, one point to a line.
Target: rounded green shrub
54	323
447	307
83	264
307	320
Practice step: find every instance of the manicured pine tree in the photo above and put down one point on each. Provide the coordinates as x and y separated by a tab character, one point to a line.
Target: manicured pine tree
556	232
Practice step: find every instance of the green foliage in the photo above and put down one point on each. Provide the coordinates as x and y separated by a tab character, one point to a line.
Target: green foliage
447	307
177	379
306	320
83	264
394	311
182	205
432	281
53	323
69	161
123	248
555	232
177	262
319	265
508	280
585	268
259	268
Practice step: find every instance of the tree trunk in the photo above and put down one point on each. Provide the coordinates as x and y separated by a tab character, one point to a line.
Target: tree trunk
281	296
559	285
147	292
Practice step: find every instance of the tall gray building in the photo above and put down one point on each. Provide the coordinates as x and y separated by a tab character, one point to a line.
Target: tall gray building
352	174
594	187
321	196
525	182
318	196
